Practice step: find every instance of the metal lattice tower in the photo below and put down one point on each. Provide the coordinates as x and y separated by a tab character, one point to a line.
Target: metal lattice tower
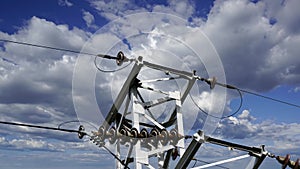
136	131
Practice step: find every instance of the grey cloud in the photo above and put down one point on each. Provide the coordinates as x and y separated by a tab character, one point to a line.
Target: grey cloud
39	89
286	14
39	84
255	53
250	48
38	144
42	32
25	145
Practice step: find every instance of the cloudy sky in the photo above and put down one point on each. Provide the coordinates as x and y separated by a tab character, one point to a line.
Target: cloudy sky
253	45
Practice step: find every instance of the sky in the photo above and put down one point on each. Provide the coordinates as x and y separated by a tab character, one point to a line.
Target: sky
253	45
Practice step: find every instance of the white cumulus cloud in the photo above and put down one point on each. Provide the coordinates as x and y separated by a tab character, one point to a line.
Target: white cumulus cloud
65	3
89	19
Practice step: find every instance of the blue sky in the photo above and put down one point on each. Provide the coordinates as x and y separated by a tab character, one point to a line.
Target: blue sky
257	44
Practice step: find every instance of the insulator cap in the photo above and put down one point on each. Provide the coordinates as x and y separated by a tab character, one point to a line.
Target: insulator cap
173	136
120	58
283	160
124	136
144	133
101	132
154	136
112	135
81	133
164	137
154	132
294	164
134	134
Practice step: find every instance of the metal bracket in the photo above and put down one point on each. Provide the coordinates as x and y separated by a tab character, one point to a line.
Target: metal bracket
191	150
259	157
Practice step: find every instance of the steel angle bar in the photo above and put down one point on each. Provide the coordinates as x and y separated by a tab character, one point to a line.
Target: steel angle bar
167	159
159	79
159	150
122	94
153	121
143	101
187	88
136	109
255	150
150	166
222	161
192	149
152	89
124	113
128	160
184	74
157	102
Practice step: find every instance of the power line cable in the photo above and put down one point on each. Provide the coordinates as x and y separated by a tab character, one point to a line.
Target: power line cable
76	121
259	95
63	130
46	47
212	83
78	52
116	157
270	98
58	49
43	127
223	117
116	58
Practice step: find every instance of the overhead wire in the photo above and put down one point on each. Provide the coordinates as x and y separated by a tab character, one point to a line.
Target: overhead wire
46	47
116	157
269	98
222	117
63	130
42	127
72	51
212	82
111	57
76	121
249	92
